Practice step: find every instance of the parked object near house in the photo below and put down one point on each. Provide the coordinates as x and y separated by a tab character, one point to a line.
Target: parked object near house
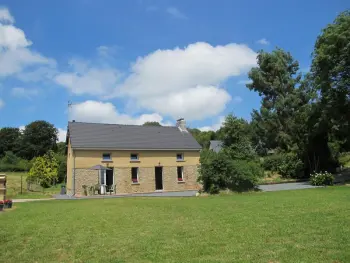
120	159
2	187
215	146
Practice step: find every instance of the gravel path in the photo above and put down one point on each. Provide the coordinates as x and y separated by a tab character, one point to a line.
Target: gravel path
31	200
286	186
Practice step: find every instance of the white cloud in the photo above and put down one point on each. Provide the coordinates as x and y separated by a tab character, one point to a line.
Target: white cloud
37	75
62	135
186	82
86	79
24	92
176	13
5	16
215	126
15	54
192	104
2	103
263	41
21	128
106	112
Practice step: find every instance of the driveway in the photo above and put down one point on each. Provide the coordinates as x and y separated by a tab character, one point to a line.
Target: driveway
286	186
154	194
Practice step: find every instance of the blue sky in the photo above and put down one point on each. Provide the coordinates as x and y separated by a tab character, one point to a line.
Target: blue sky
138	60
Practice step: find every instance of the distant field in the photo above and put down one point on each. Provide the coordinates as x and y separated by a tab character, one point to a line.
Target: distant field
14	188
287	226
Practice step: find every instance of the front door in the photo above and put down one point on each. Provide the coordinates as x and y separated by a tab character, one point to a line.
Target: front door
159	177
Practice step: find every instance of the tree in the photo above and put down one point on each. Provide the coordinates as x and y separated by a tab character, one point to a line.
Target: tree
331	75
44	170
151	123
38	138
202	137
61	148
237	138
9	140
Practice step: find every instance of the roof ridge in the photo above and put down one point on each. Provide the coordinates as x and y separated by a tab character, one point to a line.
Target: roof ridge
136	125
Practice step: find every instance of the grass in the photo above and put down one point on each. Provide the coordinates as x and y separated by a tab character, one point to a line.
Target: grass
13	186
288	226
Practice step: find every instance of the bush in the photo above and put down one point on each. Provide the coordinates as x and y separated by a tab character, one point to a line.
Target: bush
344	159
286	164
322	178
11	163
219	171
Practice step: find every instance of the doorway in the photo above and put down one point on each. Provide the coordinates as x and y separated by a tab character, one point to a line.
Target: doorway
159	177
109	177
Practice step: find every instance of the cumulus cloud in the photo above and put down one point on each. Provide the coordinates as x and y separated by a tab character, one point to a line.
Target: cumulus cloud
215	126
263	41
106	112
5	16
24	92
2	103
186	82
62	135
87	79
15	54
176	13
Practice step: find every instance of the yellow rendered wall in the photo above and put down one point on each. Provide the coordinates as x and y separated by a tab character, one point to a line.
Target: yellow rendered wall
89	158
69	167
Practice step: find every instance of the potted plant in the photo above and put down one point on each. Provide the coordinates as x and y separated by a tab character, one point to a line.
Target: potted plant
1	205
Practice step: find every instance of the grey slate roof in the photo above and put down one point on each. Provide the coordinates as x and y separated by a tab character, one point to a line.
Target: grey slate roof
215	146
117	136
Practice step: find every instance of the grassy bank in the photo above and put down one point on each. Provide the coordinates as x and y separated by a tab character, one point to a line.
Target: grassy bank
288	226
14	188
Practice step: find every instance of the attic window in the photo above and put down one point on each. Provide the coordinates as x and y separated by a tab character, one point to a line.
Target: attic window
134	157
179	157
106	157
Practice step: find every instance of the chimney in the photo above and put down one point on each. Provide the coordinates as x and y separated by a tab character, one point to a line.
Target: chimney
181	124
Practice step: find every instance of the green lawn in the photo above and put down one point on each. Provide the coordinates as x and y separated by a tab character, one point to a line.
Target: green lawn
288	226
13	186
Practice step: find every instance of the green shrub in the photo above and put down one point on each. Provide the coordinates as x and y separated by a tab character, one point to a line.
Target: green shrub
322	178
219	171
11	163
344	159
288	165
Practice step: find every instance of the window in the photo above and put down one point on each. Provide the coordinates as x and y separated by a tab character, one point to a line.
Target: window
180	173
179	156
134	157
135	174
106	157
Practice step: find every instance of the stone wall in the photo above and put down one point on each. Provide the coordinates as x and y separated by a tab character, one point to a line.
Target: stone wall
146	183
85	177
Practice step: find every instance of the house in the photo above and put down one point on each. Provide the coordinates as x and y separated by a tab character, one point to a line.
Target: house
215	146
131	158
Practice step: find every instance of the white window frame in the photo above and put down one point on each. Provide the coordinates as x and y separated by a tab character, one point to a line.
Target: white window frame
137	157
182	173
137	174
182	157
106	160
